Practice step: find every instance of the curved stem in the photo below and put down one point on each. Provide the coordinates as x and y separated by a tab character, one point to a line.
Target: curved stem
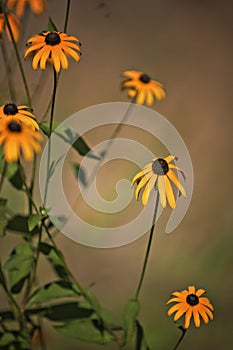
16	53
183	330
67	15
8	71
148	248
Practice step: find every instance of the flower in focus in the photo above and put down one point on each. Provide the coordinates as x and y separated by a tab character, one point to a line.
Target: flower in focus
53	47
22	113
190	303
159	173
143	88
16	137
14	24
37	6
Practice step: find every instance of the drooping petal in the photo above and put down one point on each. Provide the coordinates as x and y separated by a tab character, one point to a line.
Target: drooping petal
169	193
176	181
148	188
206	302
188	317
162	193
183	308
142	183
196	316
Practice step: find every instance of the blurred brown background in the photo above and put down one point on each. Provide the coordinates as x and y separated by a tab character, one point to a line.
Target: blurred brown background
187	45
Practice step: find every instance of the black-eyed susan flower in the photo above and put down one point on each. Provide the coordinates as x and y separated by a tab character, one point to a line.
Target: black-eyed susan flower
14	24
191	304
37	6
17	137
143	88
53	47
159	174
22	113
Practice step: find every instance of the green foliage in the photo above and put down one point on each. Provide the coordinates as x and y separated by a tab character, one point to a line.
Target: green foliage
85	330
19	223
33	221
54	259
14	173
3	216
53	290
19	266
71	137
131	313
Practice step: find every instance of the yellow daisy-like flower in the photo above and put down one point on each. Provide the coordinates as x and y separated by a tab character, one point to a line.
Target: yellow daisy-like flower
37	6
143	88
159	172
53	47
22	113
16	137
14	24
190	303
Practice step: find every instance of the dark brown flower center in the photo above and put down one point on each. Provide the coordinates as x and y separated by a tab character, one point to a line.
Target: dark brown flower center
10	109
14	127
52	39
192	299
160	166
145	78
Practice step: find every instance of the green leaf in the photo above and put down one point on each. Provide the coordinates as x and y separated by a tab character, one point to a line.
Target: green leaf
13	173
51	26
71	137
62	312
85	330
110	318
52	291
33	221
79	173
54	259
6	339
94	302
3	216
19	265
131	312
19	223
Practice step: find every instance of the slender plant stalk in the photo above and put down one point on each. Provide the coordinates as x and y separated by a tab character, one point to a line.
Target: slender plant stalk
148	248
8	71
3	175
16	53
67	16
183	330
50	132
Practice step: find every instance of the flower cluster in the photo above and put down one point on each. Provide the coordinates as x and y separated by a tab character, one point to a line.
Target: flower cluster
19	132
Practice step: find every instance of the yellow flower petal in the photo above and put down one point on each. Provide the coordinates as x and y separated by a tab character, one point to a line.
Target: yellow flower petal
169	193
176	181
148	188
162	193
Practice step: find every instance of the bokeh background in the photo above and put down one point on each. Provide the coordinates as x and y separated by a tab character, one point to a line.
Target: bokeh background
187	45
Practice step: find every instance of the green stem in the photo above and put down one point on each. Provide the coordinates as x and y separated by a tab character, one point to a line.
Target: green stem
183	330
148	248
8	71
27	190
15	307
3	175
50	132
67	15
16	53
31	188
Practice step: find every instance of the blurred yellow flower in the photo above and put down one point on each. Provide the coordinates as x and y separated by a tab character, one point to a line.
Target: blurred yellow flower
53	47
21	113
159	172
14	24
190	303
37	6
16	137
143	88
